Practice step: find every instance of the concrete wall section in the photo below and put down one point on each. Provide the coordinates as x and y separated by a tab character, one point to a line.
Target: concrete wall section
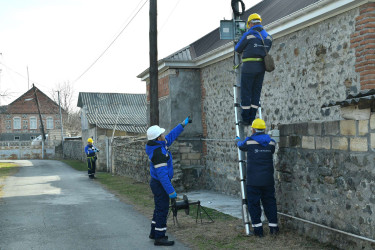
185	101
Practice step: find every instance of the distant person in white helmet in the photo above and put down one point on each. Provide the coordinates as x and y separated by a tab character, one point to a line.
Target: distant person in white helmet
91	151
252	45
260	183
161	170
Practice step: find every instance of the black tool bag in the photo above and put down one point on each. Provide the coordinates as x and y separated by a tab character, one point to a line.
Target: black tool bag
268	59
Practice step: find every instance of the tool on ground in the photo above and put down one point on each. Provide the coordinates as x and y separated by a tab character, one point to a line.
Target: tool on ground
185	204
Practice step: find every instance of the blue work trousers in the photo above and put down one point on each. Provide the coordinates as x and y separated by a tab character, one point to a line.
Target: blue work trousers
251	88
91	165
159	219
266	194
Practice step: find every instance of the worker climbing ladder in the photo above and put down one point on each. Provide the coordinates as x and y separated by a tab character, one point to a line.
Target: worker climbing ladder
233	30
241	155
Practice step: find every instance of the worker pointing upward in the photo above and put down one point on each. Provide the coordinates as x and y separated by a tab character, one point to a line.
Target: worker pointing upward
253	69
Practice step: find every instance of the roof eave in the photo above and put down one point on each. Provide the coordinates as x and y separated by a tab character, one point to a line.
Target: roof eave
312	14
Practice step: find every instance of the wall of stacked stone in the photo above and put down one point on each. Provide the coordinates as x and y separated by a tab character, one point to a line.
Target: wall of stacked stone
74	150
325	174
313	66
130	159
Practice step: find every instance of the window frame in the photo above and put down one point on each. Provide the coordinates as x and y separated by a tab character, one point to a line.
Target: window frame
47	123
36	122
14	122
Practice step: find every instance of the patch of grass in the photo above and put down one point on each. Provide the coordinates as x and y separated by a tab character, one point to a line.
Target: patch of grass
6	169
136	192
226	232
76	164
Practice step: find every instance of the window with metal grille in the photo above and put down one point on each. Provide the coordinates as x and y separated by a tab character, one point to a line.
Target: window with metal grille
49	123
33	123
17	123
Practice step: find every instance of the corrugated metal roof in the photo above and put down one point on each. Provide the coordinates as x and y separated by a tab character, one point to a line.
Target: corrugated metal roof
270	11
354	99
181	55
103	109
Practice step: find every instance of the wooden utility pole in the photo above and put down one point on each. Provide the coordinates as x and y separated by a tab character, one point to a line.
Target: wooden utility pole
40	116
154	101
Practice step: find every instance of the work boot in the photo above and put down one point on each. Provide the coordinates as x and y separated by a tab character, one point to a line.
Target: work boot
152	237
91	176
245	123
258	231
163	242
274	230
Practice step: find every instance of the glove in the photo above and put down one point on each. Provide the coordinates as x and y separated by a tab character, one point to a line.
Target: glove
186	121
97	150
173	195
238	139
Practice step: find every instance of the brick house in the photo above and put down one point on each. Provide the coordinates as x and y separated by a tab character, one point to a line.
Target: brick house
19	120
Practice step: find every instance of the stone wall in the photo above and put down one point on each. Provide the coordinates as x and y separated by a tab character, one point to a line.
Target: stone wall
25	151
130	159
313	66
326	174
74	150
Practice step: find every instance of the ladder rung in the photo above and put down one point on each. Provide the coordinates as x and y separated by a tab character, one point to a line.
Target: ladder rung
237	105
237	86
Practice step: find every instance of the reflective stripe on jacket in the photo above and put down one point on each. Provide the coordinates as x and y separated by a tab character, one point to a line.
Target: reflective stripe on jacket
260	148
161	165
251	46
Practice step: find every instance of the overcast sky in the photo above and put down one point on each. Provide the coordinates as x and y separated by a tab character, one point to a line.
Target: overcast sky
57	40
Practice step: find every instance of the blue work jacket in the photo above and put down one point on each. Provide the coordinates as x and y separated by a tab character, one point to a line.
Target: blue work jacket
161	165
90	150
260	148
251	46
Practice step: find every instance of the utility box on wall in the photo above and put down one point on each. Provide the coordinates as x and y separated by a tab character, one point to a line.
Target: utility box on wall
230	30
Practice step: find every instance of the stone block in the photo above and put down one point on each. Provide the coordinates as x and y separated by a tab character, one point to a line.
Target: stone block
284	129
323	142
363	127
284	142
340	143
300	128
294	141
372	140
348	127
185	162
332	128
314	128
358	144
372	121
308	142
184	150
194	156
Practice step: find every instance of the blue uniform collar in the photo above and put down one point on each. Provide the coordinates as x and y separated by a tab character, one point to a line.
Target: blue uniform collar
256	26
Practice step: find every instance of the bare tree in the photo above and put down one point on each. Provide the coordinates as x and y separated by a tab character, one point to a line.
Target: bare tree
71	121
66	95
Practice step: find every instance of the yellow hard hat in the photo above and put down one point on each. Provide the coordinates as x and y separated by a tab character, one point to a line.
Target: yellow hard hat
252	17
90	140
258	124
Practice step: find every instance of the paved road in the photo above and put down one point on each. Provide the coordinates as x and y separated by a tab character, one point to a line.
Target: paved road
48	205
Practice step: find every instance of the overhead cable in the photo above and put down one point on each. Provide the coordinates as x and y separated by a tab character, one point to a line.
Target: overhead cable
110	44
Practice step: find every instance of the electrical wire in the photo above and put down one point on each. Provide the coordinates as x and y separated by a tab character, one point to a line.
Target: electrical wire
110	44
170	14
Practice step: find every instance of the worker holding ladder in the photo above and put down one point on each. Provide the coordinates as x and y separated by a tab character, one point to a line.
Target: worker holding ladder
260	183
